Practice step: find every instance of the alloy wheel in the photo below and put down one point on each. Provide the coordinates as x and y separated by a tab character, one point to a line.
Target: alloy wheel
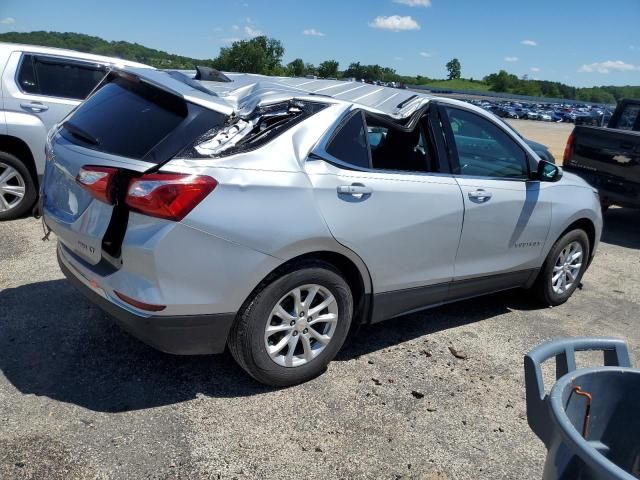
567	268
12	187
301	325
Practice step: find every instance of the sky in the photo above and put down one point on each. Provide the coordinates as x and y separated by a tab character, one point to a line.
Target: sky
578	42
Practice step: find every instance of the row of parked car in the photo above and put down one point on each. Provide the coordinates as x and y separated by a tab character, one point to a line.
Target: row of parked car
579	114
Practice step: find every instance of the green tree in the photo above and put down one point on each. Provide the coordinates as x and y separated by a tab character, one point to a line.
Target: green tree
502	81
257	55
328	69
454	68
295	68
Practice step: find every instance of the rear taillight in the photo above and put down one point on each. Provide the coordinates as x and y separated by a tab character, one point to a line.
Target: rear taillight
568	149
168	195
98	181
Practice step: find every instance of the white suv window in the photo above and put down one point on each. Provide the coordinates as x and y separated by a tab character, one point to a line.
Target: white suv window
57	77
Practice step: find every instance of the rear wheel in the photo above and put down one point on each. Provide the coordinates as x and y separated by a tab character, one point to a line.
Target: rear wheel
563	269
294	326
17	188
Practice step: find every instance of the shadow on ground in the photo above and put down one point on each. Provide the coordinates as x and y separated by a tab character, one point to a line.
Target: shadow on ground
54	343
622	227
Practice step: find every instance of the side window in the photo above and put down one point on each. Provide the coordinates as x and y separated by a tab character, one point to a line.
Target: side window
27	76
393	149
349	144
57	77
484	149
629	117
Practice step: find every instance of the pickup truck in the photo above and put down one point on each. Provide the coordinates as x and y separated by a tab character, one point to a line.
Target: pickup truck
609	157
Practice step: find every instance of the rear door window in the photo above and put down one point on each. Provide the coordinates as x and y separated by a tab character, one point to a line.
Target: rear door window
349	144
125	118
58	77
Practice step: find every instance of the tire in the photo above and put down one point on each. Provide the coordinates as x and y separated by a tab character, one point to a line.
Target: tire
12	206
248	341
544	285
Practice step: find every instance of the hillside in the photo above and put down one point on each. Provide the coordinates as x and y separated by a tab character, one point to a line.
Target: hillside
99	46
459	84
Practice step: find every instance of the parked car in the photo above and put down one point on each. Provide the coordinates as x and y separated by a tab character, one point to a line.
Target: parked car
272	219
39	87
609	157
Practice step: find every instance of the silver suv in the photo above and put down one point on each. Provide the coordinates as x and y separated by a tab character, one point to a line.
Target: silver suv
39	87
273	215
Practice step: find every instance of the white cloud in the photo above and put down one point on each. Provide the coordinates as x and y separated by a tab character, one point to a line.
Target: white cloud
534	69
414	3
313	32
425	54
529	43
395	23
251	32
510	59
7	21
235	28
608	66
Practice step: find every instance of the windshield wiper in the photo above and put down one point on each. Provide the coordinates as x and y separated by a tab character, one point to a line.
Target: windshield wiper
80	133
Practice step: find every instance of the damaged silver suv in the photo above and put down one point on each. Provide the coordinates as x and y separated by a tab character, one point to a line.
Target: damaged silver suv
271	215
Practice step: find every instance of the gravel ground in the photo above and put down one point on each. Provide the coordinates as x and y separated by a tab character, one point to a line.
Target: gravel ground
81	399
553	135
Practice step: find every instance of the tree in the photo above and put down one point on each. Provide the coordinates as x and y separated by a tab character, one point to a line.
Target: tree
296	68
328	69
502	81
310	69
257	55
454	68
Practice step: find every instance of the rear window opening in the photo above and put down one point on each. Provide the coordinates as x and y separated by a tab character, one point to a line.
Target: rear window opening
252	131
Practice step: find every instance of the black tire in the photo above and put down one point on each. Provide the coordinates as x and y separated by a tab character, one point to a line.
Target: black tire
31	194
543	286
246	339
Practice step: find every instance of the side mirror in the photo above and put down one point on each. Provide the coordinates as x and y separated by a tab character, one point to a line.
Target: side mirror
548	172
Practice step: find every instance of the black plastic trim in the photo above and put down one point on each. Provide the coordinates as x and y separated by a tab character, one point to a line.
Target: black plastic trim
393	304
178	335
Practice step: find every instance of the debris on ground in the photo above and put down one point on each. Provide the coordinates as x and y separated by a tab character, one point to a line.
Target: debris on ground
457	353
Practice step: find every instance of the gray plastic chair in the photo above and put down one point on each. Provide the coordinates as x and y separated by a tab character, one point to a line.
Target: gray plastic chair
587	440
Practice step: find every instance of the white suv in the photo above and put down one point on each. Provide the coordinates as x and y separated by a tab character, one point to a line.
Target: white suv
39	86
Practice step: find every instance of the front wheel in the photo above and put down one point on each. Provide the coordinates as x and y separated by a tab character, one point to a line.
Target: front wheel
562	271
290	330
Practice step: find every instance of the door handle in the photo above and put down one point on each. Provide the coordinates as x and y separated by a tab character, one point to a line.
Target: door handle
480	195
35	106
354	189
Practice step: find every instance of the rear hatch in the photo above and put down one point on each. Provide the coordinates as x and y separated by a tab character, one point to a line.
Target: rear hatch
134	122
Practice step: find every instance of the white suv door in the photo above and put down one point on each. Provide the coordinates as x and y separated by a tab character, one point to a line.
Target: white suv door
405	225
46	87
507	217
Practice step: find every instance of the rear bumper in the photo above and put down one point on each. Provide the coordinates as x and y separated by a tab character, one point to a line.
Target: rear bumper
178	335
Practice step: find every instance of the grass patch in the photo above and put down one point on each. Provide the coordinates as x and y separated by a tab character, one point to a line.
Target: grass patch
459	84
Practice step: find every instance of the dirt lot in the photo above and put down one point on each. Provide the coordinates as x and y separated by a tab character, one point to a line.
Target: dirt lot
553	135
81	399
